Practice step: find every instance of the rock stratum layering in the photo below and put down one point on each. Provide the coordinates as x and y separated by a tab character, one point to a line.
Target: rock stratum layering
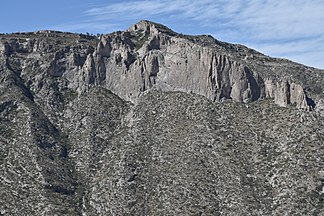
151	122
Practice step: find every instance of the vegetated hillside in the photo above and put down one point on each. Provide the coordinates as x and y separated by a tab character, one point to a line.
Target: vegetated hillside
151	122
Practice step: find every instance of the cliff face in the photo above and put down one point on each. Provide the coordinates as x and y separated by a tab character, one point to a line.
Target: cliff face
150	55
142	122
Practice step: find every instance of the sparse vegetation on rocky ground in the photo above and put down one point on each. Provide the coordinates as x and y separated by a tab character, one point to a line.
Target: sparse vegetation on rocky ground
151	122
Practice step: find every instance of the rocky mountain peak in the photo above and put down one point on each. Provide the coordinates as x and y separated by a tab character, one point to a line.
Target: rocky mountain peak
148	27
150	122
151	55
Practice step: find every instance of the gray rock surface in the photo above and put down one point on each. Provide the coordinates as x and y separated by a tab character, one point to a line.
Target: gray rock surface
149	122
149	54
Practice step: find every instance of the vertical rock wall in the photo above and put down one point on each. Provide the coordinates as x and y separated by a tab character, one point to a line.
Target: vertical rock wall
128	63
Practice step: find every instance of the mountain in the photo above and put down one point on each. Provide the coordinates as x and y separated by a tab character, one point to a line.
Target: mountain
151	122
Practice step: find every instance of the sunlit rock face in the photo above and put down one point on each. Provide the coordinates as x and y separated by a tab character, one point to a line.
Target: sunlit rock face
151	122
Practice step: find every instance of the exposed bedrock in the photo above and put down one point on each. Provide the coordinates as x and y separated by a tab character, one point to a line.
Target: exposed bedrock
128	63
150	55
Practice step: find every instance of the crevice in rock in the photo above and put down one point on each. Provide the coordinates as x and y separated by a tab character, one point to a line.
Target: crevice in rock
310	102
254	85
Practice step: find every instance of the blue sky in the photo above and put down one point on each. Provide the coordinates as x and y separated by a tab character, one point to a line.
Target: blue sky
290	29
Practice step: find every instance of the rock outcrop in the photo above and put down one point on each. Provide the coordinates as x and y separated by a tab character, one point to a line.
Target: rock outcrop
150	122
150	55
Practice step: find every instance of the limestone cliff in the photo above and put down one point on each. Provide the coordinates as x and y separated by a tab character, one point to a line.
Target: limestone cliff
150	122
150	55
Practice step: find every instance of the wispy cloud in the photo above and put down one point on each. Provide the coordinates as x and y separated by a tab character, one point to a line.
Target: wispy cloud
283	28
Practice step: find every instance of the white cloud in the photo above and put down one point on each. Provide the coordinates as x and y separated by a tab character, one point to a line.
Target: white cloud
285	28
284	19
